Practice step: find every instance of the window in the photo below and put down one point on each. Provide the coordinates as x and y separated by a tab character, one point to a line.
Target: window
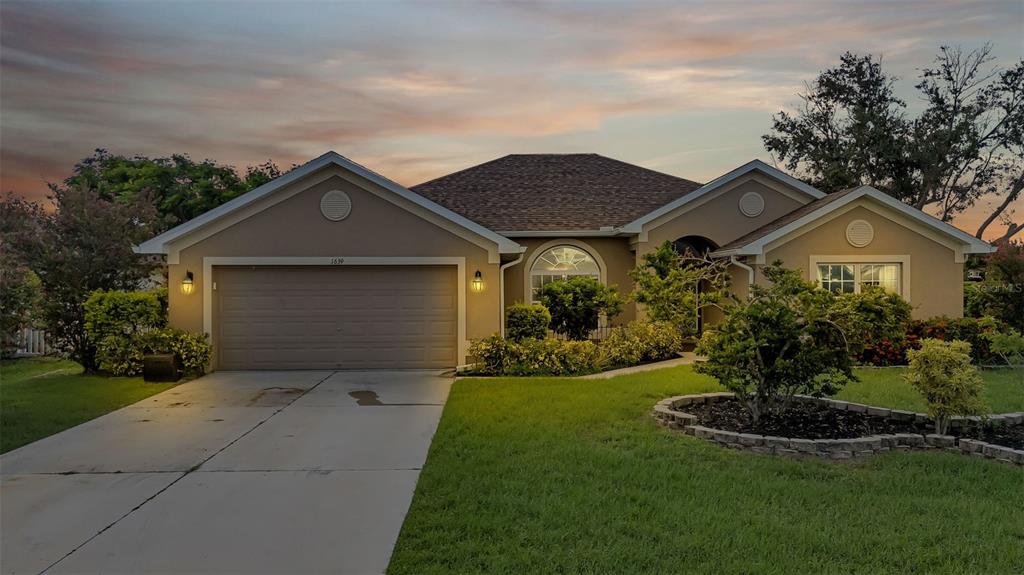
849	278
561	262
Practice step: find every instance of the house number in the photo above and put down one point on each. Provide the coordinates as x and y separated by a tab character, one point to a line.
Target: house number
337	261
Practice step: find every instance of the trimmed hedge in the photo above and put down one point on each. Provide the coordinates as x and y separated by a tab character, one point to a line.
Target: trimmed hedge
124	313
641	341
526	321
500	356
122	355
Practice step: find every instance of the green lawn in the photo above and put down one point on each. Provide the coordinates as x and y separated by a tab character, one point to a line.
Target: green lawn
1004	390
550	475
41	396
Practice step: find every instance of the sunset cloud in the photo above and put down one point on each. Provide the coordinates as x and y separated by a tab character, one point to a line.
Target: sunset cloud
416	90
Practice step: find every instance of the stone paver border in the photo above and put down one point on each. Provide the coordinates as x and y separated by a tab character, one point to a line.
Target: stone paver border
671	413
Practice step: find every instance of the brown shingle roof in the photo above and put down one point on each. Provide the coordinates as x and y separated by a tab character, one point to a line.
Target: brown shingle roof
784	220
551	192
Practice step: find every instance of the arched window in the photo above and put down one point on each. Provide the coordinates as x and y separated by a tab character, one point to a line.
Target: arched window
561	262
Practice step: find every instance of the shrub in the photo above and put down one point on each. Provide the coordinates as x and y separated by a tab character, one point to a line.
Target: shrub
576	304
973	330
667	283
888	352
641	341
942	372
123	313
975	299
1004	285
524	321
122	355
782	341
871	317
19	296
193	350
499	356
1009	346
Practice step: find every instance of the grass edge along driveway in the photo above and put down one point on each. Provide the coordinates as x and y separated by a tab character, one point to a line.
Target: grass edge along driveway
40	396
548	475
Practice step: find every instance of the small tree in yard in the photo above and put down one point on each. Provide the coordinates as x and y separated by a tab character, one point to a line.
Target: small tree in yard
83	246
674	287
942	372
784	340
576	305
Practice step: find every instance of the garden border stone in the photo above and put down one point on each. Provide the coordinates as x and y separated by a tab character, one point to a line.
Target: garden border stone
668	413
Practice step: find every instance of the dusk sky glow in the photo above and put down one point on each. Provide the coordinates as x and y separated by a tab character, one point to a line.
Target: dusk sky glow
417	90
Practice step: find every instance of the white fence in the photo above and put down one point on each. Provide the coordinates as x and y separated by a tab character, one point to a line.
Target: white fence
33	342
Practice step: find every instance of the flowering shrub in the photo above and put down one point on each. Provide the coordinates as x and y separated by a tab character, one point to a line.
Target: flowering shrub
641	341
499	356
975	331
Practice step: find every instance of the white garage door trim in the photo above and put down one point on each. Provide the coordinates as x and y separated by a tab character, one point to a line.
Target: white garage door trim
336	261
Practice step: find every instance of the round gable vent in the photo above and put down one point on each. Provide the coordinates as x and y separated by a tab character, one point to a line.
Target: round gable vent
752	204
859	233
335	205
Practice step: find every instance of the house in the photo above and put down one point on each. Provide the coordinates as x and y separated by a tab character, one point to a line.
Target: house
335	266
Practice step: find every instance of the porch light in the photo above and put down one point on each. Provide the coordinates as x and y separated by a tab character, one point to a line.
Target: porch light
187	285
478	282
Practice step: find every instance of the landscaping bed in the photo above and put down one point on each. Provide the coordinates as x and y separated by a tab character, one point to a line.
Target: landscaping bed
803	419
834	429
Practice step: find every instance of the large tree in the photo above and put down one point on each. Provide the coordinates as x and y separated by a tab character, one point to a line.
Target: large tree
180	187
967	144
83	245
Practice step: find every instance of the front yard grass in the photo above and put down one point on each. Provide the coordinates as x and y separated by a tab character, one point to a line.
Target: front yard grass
549	475
884	387
42	396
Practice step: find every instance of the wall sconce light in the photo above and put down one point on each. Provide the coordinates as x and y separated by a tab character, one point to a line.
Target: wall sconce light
187	284
478	282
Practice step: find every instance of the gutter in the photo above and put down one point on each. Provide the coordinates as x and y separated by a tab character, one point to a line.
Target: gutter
501	289
741	265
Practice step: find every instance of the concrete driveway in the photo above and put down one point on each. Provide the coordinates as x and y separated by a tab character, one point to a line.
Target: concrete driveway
236	472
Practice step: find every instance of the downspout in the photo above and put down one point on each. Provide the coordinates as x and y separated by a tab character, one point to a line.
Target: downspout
501	289
741	265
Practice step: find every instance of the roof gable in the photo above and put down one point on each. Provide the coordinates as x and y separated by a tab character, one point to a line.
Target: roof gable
244	206
643	223
756	241
554	192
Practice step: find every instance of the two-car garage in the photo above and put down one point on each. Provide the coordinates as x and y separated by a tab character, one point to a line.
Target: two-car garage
332	266
336	317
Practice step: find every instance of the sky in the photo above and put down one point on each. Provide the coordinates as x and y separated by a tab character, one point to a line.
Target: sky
417	90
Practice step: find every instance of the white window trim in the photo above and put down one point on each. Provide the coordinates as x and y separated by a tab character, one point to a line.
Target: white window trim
338	261
602	269
903	260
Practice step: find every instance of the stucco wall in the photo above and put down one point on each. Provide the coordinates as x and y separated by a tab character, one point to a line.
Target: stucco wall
375	228
720	219
614	253
935	278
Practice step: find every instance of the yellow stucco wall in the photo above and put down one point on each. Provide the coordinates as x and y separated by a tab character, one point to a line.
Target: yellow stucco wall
295	228
935	279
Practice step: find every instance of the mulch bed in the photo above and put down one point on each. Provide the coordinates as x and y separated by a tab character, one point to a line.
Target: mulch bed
1011	436
810	421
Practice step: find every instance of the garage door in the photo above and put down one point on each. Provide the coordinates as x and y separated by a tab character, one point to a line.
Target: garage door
345	317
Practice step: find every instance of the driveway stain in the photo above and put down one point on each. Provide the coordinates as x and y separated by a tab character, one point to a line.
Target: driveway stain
275	396
365	397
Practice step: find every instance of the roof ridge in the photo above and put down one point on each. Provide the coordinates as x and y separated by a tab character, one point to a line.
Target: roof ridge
466	169
698	184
